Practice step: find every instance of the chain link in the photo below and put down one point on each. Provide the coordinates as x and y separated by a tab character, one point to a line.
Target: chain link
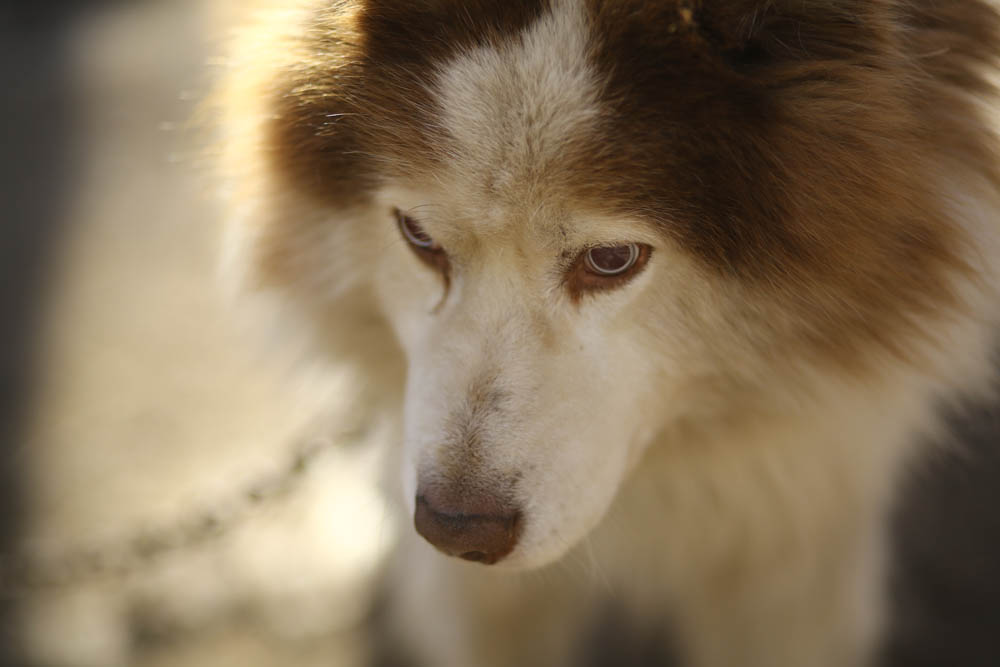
24	572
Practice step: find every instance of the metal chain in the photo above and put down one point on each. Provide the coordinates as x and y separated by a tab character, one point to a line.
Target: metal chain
26	571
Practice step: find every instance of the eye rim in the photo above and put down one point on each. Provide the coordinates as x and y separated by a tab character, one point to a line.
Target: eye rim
635	252
427	251
406	223
581	280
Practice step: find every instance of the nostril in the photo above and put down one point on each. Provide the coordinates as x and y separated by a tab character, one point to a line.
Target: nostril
472	527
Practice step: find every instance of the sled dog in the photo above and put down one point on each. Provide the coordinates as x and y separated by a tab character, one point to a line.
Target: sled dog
662	297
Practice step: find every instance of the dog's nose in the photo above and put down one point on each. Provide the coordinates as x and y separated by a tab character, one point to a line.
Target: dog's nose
468	525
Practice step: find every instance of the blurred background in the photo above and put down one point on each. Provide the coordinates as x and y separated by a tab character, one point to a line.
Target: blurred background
169	497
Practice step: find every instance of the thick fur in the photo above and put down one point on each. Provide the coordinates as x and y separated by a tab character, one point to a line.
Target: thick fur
716	441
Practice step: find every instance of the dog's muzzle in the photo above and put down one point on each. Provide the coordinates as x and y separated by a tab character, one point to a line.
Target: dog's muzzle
468	524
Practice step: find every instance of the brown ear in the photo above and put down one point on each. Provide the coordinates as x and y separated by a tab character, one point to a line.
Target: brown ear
759	32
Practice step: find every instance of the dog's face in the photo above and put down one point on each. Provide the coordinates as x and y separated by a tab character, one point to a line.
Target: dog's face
585	222
536	372
530	319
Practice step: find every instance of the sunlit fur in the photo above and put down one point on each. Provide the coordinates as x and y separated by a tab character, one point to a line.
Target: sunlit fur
716	441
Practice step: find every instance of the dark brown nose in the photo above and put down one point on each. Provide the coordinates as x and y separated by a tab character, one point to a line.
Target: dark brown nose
467	524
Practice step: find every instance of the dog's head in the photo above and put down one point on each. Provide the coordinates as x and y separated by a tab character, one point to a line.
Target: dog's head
585	222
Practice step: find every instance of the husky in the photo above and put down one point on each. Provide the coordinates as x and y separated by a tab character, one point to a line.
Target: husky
663	297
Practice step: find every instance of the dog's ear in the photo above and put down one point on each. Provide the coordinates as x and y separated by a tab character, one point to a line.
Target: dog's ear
746	34
759	32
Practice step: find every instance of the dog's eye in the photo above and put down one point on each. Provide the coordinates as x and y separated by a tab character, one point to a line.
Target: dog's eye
610	261
414	233
606	267
426	248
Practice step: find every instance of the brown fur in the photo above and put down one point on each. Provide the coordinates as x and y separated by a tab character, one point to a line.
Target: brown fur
782	143
792	147
359	108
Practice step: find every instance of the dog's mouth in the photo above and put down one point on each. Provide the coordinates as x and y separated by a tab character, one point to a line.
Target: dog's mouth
468	524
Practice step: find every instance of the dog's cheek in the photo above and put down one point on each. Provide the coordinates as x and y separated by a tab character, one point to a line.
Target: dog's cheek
407	293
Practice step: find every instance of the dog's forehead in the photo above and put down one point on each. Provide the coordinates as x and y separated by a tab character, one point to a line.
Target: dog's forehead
508	98
516	112
512	112
517	106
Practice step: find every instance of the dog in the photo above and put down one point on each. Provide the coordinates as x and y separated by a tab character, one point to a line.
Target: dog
663	298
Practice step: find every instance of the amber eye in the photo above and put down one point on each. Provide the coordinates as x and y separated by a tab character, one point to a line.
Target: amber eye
414	233
610	261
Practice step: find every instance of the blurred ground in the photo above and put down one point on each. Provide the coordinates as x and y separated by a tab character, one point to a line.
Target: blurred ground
134	399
